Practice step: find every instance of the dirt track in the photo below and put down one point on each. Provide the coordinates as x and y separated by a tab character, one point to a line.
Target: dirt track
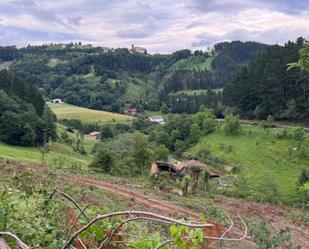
275	215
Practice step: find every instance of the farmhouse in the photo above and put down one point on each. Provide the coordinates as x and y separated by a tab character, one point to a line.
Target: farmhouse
156	119
56	101
133	111
95	134
138	50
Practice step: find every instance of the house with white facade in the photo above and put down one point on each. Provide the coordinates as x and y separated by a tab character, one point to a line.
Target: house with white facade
156	119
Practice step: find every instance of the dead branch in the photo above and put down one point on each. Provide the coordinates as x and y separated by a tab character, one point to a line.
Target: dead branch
229	229
150	216
73	201
109	238
3	244
231	239
217	238
82	243
77	218
19	242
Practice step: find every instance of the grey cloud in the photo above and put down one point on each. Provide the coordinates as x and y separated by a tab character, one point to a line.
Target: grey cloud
205	39
134	33
271	36
37	10
286	6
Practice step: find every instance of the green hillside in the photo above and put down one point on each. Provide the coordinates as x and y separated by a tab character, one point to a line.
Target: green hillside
261	156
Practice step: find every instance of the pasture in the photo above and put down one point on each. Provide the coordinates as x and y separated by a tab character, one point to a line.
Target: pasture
66	111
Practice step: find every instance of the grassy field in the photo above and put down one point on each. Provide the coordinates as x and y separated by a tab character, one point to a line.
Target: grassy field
261	155
32	154
86	115
60	155
198	63
54	63
197	92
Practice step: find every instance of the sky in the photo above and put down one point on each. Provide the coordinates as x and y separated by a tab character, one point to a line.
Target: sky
161	26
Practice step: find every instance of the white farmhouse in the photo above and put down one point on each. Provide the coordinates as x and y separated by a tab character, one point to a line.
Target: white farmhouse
56	101
156	119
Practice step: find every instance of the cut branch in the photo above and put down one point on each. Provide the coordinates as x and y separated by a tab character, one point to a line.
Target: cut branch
19	242
109	238
231	239
73	201
150	216
229	229
77	218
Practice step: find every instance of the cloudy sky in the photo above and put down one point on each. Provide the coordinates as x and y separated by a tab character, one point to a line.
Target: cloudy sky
159	25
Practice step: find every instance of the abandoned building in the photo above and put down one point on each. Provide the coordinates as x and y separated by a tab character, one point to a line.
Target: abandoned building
179	169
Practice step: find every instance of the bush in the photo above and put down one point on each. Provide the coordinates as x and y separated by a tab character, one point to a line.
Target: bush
161	153
303	177
164	108
283	133
195	133
209	125
265	237
104	159
185	184
298	134
232	125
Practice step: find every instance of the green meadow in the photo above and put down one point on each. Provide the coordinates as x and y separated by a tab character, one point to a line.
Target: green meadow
66	111
260	155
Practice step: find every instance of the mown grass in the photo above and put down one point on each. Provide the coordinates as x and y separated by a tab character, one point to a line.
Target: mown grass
32	154
261	155
66	111
55	63
198	63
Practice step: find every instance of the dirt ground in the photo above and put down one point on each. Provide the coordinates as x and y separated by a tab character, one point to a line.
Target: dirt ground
274	215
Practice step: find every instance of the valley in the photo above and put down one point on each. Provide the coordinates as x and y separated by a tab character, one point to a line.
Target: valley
119	149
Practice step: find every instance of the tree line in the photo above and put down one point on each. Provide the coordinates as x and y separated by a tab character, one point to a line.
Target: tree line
266	86
24	117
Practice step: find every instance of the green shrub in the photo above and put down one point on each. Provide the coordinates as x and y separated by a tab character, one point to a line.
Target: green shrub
283	133
232	125
209	125
298	134
104	159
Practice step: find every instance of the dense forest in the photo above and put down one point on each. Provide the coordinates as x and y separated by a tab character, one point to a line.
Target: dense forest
95	77
24	117
266	86
254	76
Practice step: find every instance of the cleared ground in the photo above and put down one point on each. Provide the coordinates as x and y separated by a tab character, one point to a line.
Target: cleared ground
66	111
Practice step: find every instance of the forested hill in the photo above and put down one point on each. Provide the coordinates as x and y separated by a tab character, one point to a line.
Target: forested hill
24	118
116	79
266	86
